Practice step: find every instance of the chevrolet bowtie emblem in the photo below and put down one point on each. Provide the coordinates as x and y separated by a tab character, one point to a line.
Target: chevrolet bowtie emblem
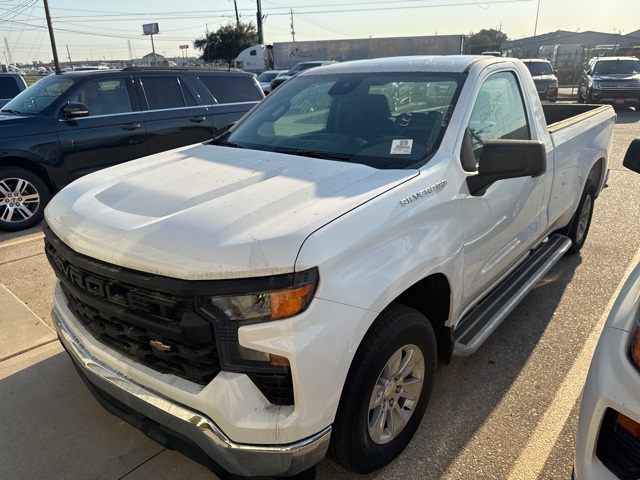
160	346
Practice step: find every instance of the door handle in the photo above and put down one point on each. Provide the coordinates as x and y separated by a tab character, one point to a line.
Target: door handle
130	126
197	119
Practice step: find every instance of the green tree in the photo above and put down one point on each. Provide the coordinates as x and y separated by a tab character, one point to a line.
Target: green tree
226	42
485	39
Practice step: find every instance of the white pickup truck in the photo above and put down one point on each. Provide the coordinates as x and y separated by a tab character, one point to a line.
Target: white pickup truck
285	291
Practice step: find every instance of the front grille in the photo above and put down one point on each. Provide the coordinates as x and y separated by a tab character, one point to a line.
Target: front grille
132	319
617	449
620	86
156	320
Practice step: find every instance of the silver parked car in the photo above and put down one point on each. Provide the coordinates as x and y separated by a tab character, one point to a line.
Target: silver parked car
265	79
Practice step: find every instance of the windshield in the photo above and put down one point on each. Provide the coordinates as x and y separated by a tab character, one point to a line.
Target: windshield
617	67
35	99
539	68
382	120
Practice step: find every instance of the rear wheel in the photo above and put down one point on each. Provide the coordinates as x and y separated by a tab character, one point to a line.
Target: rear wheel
578	229
386	392
23	196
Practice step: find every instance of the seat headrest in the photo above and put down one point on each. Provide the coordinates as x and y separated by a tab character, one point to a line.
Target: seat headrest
376	105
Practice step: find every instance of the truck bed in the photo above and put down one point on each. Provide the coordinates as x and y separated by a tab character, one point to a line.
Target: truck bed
559	116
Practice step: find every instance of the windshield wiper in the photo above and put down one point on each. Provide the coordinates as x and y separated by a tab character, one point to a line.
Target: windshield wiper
15	112
323	155
225	143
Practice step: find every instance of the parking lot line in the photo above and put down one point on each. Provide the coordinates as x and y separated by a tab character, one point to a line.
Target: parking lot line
20	241
534	455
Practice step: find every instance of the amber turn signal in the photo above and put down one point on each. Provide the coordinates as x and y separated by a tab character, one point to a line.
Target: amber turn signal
287	303
629	425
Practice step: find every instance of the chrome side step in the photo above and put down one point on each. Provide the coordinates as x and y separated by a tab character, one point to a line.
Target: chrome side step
485	317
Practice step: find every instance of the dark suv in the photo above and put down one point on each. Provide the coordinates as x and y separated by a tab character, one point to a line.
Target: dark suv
613	80
544	77
65	126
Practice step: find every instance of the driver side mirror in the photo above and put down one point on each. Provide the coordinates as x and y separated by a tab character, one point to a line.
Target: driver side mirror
504	159
75	110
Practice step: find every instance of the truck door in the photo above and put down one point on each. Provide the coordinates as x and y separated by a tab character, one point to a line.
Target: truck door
112	133
502	224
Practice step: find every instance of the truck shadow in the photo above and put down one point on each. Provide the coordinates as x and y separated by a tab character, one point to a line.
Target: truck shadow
52	428
627	115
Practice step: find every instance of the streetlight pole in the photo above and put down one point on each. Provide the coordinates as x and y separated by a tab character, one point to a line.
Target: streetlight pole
56	63
535	29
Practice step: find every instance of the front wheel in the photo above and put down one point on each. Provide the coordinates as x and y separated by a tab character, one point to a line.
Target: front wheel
386	392
578	228
23	196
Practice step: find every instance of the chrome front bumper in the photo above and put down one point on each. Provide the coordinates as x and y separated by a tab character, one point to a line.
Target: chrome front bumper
172	418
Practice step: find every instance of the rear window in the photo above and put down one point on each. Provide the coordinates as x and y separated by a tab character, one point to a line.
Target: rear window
8	87
232	89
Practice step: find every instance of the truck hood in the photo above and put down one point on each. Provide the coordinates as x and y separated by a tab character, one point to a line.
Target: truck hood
209	212
616	77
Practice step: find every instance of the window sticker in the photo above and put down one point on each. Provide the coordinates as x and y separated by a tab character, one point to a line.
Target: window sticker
401	147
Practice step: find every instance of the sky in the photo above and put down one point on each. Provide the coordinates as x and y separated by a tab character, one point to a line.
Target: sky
90	31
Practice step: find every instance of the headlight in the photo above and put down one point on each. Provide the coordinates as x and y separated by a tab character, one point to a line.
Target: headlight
252	301
596	85
553	83
265	306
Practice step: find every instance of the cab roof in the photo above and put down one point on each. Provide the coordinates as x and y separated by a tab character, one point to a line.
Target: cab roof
418	63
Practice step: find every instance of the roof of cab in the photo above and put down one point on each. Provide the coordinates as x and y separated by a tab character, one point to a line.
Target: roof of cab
436	63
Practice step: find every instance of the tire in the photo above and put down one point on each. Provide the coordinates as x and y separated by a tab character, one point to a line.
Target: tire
376	394
578	228
23	196
581	99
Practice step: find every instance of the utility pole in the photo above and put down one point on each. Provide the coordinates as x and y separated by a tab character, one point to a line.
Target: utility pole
69	57
9	57
56	63
259	23
535	29
293	32
130	51
235	4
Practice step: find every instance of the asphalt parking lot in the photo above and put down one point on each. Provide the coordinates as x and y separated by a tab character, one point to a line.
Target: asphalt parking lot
508	411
